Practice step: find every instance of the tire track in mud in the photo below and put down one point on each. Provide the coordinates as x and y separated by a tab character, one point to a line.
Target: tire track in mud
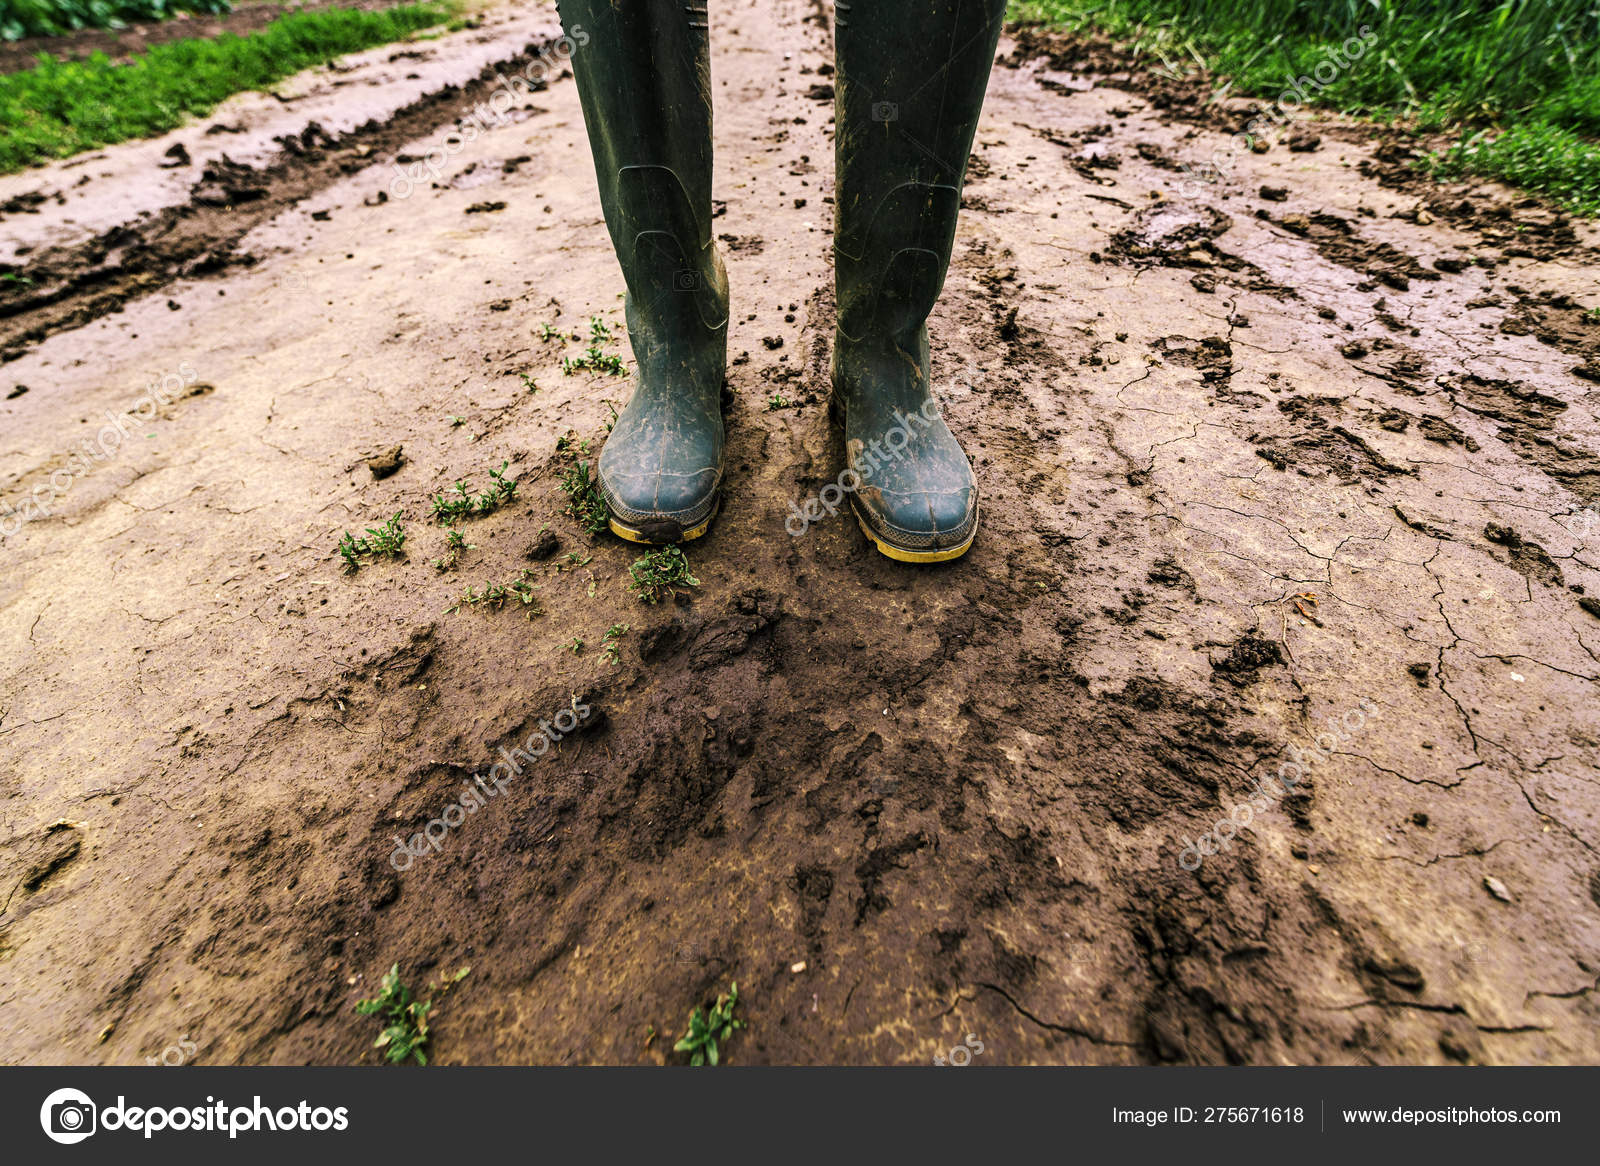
65	287
958	797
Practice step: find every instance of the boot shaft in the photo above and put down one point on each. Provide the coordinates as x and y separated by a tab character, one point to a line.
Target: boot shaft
644	80
909	85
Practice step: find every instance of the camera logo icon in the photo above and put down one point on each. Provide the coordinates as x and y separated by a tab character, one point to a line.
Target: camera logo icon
687	279
689	953
68	1116
885	111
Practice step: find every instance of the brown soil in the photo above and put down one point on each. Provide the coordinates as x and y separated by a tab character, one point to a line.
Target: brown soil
1252	459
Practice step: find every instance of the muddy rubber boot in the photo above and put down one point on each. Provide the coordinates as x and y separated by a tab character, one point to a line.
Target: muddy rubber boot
644	78
910	81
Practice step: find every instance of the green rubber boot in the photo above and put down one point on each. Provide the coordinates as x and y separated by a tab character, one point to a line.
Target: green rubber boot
644	78
911	77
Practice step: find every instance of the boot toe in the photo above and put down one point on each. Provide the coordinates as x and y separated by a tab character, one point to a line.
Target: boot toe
655	502
920	521
660	493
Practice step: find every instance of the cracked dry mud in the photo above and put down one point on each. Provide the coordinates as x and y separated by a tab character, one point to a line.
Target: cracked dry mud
1250	461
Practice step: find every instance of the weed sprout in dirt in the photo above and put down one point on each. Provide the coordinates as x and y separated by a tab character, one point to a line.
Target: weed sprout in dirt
405	1018
383	541
585	504
709	1030
659	574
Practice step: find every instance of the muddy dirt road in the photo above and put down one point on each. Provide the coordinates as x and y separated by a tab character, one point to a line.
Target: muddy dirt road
1303	451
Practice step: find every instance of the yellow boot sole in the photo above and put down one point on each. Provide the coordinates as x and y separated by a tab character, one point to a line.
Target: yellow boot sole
637	536
902	555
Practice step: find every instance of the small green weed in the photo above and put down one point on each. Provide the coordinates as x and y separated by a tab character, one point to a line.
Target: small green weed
386	540
463	503
659	574
585	503
708	1030
454	544
406	1031
494	596
570	442
595	357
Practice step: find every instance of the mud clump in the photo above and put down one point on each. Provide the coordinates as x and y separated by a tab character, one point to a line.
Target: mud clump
1528	558
1338	242
1175	234
1561	322
544	545
1511	402
1439	430
1246	657
226	183
1168	572
386	464
1210	356
1319	438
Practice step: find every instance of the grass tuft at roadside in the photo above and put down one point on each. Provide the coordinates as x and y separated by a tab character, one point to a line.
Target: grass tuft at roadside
1518	80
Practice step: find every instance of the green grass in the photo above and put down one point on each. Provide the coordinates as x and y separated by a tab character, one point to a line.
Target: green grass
60	108
1536	156
1519	80
20	18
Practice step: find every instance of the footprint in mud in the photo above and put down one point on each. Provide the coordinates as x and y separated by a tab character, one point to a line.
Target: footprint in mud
1169	230
33	860
1337	241
1211	356
743	244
